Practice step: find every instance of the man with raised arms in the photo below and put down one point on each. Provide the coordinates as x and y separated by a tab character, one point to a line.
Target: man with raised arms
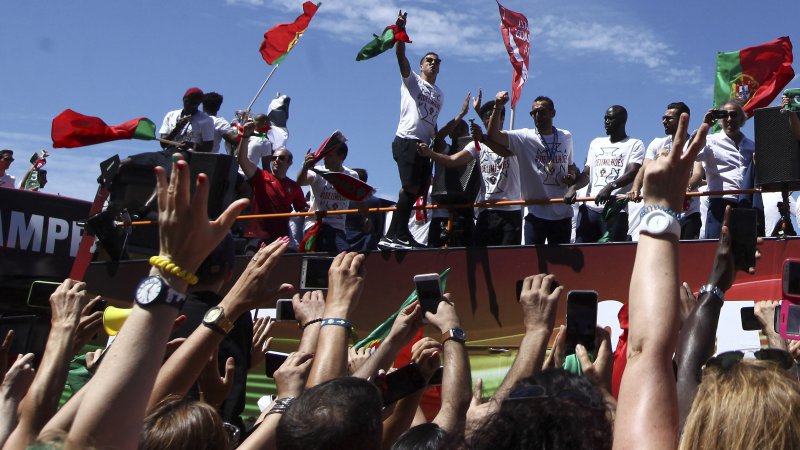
420	103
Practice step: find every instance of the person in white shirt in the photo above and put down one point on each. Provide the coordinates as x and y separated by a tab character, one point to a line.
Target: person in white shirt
324	197
723	162
212	102
610	169
189	126
6	180
420	103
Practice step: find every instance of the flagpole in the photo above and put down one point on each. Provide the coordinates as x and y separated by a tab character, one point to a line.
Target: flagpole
263	85
511	123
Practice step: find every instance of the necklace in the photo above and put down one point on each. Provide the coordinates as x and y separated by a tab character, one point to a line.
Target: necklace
551	149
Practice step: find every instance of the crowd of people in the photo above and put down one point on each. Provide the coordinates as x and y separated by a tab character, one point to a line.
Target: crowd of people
175	375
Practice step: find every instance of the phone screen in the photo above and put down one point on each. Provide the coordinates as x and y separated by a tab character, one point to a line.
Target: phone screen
401	383
744	232
429	292
581	320
284	310
314	273
272	361
39	295
791	278
749	320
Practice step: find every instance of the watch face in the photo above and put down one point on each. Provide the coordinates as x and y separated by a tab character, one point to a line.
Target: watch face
657	222
212	315
458	334
148	290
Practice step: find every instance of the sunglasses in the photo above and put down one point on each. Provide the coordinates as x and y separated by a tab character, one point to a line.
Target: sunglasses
279	157
433	60
537	111
669	118
232	431
724	361
8	159
733	114
535	391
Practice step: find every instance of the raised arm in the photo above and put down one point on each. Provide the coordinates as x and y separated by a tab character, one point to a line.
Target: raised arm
794	120
457	160
404	328
303	178
112	413
539	303
400	47
494	132
647	412
345	281
765	312
247	166
309	310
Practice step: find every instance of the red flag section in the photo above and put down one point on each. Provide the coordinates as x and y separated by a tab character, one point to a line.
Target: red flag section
517	38
280	39
771	65
71	129
349	187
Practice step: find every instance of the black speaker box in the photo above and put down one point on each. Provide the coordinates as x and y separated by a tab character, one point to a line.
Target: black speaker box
777	151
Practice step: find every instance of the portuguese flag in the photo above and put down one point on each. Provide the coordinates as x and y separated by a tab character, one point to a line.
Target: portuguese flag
753	76
380	44
71	129
280	39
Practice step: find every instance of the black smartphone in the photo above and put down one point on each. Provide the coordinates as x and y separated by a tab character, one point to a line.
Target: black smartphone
749	320
791	279
581	320
40	292
273	360
284	310
429	291
719	114
314	272
744	233
401	383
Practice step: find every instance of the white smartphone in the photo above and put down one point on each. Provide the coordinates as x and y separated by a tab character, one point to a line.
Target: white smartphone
429	291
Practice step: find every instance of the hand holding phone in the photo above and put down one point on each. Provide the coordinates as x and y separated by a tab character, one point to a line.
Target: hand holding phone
749	320
284	311
429	291
581	320
314	272
401	383
743	225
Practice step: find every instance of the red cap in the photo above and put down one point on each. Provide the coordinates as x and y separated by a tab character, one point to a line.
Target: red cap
193	91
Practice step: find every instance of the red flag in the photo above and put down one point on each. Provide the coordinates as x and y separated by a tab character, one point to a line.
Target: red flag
71	129
280	39
514	28
349	187
332	143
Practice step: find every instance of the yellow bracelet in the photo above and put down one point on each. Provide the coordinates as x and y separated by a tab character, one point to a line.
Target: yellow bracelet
169	266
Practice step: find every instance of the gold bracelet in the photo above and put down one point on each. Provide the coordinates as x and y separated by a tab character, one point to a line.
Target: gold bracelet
169	266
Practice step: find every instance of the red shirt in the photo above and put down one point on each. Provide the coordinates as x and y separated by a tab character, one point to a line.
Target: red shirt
273	195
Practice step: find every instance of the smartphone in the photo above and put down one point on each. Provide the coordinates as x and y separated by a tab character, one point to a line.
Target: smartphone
719	114
40	292
429	291
314	272
273	360
284	311
790	321
436	379
749	320
744	232
401	383
791	279
581	320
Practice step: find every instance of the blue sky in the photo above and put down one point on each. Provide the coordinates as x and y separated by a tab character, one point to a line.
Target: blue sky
121	60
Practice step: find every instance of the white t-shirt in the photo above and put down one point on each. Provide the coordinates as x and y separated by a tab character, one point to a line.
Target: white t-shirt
535	183
221	126
500	175
199	129
607	162
420	103
325	197
258	147
725	163
664	145
7	181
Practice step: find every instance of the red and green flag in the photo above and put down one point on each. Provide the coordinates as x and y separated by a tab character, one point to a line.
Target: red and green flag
280	39
71	129
753	76
385	41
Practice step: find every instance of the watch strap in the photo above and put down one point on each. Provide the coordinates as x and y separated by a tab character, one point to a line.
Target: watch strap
714	290
454	334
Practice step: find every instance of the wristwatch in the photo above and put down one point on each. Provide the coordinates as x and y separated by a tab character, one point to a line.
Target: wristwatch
153	290
216	320
456	334
714	290
657	222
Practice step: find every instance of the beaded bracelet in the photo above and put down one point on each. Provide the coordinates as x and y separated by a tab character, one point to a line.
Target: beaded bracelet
303	326
169	266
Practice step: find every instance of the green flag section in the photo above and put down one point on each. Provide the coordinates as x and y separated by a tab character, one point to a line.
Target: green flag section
380	44
71	129
382	330
610	215
280	39
753	76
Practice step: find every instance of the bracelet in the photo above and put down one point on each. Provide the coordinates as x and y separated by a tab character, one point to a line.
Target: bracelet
169	266
646	209
310	322
280	405
338	322
713	290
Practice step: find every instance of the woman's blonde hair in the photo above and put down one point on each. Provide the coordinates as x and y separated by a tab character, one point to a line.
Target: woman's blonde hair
752	405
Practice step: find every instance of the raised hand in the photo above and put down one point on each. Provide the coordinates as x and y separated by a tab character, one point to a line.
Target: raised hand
67	302
401	20
213	388
89	324
539	302
5	347
476	102
555	359
500	99
309	307
345	282
290	378
426	354
261	329
599	371
445	317
406	324
254	288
